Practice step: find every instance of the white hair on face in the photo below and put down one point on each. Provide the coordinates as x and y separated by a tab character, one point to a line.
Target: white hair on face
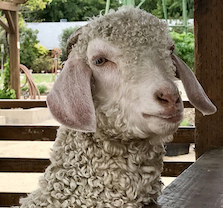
123	92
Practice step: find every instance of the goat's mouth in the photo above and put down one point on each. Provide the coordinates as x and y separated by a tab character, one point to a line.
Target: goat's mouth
172	119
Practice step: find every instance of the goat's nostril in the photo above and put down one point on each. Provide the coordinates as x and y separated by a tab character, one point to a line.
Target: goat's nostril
161	98
167	98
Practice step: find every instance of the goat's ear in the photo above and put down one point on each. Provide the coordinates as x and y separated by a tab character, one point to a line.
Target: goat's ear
70	100
194	90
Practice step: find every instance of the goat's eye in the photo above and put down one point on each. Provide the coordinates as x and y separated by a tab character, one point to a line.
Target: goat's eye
100	61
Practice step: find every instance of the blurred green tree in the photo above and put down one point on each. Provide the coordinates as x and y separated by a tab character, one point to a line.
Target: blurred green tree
72	10
63	41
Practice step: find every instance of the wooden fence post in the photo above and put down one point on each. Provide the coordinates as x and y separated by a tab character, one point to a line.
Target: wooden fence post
208	19
14	54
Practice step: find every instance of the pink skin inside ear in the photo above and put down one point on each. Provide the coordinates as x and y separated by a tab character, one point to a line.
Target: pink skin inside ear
70	100
194	90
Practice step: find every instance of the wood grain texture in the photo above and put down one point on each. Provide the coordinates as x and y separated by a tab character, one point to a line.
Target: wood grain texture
25	165
10	199
208	20
14	51
48	133
28	133
34	165
7	103
8	6
200	186
184	134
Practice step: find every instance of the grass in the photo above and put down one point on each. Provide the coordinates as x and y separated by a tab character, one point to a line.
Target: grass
185	123
39	78
42	81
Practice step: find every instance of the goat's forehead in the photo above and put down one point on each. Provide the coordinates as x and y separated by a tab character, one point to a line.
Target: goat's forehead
130	25
135	32
129	29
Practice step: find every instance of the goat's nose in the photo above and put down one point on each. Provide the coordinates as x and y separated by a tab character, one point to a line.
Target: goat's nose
167	98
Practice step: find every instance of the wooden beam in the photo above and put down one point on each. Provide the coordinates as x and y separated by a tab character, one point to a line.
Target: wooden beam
14	46
28	133
17	1
48	133
184	135
174	169
7	103
187	104
4	25
10	199
198	186
24	165
208	18
10	22
34	165
8	6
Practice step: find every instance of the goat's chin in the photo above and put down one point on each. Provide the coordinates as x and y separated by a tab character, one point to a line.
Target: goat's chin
160	126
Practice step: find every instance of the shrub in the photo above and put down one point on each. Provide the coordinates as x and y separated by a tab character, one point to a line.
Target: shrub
42	51
184	47
28	40
185	123
42	64
25	88
63	40
6	92
42	88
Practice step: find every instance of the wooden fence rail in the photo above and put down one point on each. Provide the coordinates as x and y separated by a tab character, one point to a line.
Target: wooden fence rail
48	133
34	165
7	103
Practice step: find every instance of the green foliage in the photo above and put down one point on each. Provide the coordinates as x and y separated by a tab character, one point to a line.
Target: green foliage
25	88
28	40
29	9
42	88
6	92
184	47
63	40
42	51
34	5
185	123
174	8
6	75
148	5
73	10
43	63
3	41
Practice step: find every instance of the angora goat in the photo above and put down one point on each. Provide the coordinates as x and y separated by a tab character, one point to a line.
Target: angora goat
118	104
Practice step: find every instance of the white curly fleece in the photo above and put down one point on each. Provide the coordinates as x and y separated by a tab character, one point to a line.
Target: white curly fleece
89	172
119	165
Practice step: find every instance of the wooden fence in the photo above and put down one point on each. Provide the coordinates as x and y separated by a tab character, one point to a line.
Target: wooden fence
48	133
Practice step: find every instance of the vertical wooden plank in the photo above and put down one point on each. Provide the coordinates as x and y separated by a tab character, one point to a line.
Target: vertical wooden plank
14	55
208	19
